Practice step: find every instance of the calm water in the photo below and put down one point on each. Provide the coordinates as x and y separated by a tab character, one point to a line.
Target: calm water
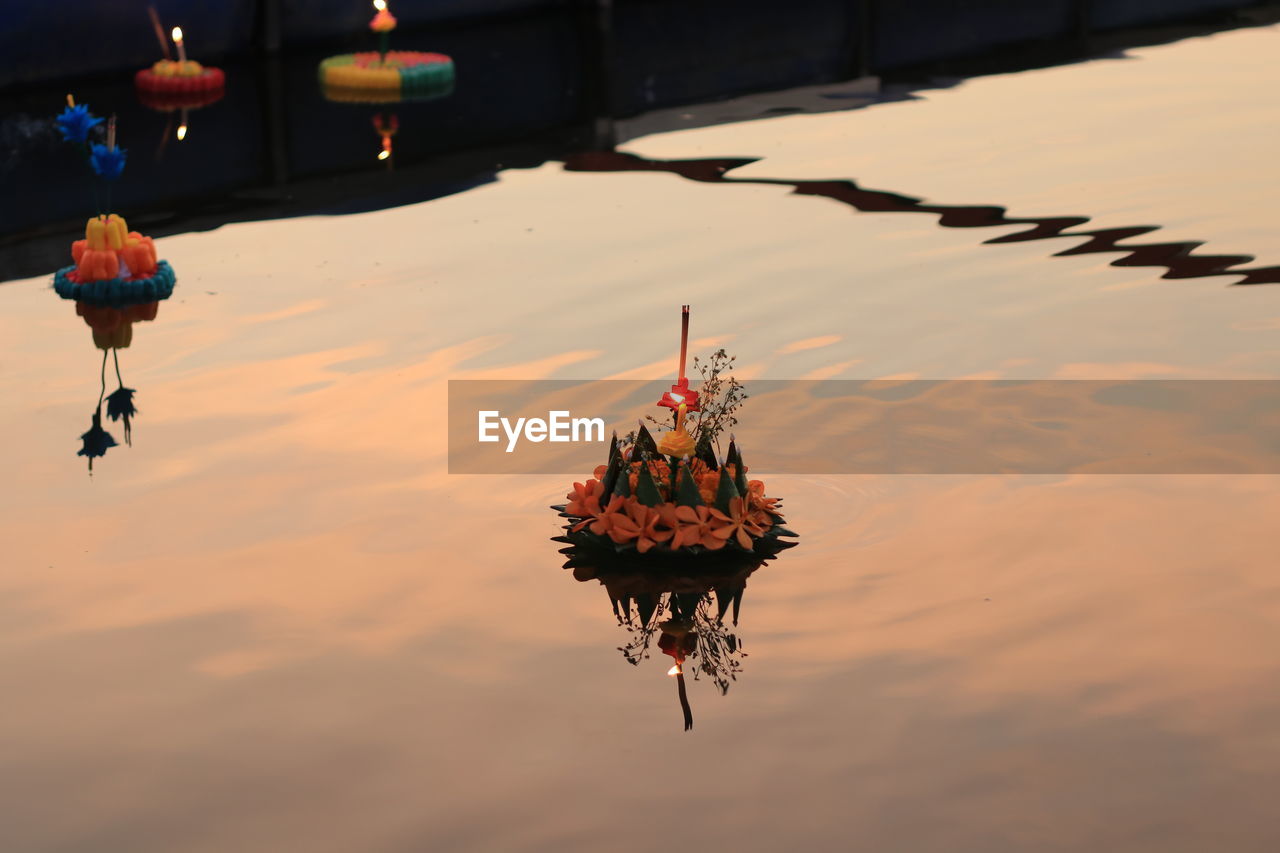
275	622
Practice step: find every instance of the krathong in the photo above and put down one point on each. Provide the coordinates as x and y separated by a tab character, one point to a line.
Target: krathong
165	89
385	75
675	495
113	266
180	77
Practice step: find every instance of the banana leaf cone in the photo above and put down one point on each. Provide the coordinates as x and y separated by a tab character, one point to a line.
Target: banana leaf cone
645	445
727	491
731	456
707	454
688	494
621	485
611	475
740	475
647	491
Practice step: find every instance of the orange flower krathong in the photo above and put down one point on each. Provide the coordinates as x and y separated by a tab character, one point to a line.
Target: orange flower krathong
648	504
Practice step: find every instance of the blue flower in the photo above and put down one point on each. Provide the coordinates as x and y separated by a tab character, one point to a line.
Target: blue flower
76	122
107	162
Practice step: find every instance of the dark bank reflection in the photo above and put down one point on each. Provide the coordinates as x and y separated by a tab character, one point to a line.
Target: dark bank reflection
112	331
1177	258
678	606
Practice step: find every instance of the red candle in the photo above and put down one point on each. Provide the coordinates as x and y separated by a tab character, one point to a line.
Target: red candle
684	338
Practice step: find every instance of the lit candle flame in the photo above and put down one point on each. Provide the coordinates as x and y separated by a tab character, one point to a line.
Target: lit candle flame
382	155
674	396
380	5
675	670
182	132
177	40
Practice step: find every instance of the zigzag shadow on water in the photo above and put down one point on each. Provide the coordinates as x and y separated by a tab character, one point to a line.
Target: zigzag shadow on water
112	332
678	603
1177	258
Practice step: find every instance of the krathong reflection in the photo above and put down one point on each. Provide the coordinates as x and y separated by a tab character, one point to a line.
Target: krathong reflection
112	332
1179	259
386	128
678	604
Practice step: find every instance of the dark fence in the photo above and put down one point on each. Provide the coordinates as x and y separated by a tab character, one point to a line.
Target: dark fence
530	87
42	41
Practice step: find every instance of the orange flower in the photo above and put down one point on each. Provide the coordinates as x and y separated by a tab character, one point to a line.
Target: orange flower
652	530
660	470
708	485
692	526
758	502
636	522
737	524
602	524
584	500
600	471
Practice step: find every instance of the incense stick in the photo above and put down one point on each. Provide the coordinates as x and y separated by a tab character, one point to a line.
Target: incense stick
155	22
